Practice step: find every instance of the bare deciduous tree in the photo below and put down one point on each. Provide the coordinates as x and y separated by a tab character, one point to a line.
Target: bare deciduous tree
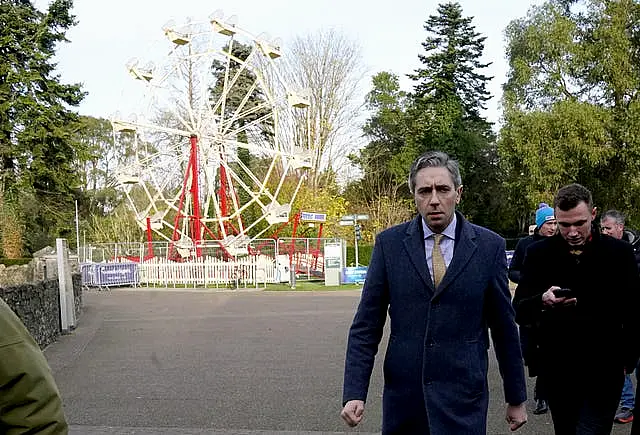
328	66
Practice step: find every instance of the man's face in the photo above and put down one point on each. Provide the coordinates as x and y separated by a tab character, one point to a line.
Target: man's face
611	228
548	228
436	197
575	224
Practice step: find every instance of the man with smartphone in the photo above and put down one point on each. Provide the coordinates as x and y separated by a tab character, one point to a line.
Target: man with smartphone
585	314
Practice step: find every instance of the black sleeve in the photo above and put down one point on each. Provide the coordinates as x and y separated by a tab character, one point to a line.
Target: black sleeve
516	261
631	326
527	300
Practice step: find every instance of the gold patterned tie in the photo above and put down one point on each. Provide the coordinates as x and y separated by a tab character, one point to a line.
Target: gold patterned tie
438	266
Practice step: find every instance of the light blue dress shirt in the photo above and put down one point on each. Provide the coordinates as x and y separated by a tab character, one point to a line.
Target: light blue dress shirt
446	244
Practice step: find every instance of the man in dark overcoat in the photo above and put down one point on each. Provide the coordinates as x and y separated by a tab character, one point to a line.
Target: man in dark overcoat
581	288
443	282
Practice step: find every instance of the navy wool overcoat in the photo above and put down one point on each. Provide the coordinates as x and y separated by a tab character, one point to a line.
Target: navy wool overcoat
435	367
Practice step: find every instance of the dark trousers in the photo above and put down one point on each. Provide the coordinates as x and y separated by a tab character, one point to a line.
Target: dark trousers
539	390
528	344
578	407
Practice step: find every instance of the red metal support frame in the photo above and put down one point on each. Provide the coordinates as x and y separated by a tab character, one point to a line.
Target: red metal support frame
179	214
296	221
222	193
196	223
149	240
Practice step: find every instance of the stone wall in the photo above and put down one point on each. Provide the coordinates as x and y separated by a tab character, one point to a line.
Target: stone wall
16	275
38	305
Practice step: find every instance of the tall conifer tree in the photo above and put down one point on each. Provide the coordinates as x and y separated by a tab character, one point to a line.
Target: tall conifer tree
36	125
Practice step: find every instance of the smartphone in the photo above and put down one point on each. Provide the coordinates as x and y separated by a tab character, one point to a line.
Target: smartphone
563	293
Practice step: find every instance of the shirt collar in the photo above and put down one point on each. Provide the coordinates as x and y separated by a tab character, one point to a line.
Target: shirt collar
450	231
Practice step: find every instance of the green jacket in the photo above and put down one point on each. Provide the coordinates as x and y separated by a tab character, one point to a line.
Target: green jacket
29	398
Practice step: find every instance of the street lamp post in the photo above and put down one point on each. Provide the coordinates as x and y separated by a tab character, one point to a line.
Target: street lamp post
77	232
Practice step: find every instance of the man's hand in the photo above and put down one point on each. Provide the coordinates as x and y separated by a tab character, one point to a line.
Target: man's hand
353	412
516	416
549	299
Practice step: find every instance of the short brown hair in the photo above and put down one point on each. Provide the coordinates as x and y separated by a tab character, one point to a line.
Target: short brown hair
571	195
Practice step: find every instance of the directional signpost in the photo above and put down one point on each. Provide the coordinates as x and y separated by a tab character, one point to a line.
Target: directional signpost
352	219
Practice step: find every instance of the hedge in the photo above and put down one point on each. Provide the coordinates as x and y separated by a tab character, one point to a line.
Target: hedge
364	255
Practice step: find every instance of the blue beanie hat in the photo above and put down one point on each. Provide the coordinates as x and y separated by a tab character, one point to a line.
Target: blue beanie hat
543	214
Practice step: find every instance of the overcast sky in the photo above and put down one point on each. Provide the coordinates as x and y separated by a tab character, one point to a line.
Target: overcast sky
390	33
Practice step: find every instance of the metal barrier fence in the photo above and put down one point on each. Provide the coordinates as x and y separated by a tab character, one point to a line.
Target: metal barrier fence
105	275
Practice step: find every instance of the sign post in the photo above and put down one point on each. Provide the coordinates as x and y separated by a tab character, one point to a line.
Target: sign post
352	219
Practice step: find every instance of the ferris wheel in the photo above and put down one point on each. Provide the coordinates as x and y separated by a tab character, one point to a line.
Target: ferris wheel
218	148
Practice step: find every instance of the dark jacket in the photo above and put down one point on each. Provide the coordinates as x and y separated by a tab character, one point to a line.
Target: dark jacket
594	335
437	357
633	238
29	398
515	268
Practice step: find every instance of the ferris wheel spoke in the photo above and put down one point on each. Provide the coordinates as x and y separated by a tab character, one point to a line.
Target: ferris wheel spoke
174	108
161	86
249	146
256	109
234	199
247	127
237	114
227	85
262	188
241	183
203	111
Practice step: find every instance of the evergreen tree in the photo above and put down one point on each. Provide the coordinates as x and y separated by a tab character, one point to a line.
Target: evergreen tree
36	126
444	113
452	63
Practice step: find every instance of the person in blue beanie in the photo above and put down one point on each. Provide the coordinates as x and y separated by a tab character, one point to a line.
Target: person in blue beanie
545	227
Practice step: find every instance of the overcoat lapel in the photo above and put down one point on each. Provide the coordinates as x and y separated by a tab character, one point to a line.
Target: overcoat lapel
465	248
414	244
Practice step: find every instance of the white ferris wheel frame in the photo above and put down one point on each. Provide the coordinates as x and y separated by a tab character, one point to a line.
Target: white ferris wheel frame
213	137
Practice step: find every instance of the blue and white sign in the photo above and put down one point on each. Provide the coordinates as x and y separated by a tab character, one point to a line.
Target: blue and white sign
313	217
354	275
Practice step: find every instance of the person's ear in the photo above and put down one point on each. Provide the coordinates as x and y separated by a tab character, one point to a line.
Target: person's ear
594	213
458	194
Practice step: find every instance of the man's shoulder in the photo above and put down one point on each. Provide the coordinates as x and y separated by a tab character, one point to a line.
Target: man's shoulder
485	235
525	241
537	244
395	230
614	244
632	237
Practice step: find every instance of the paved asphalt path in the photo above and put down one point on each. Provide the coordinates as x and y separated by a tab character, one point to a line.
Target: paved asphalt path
220	363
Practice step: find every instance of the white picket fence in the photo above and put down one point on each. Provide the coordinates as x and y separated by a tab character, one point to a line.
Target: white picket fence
251	271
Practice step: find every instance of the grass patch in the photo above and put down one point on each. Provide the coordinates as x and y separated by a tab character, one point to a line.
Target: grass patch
304	286
307	286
